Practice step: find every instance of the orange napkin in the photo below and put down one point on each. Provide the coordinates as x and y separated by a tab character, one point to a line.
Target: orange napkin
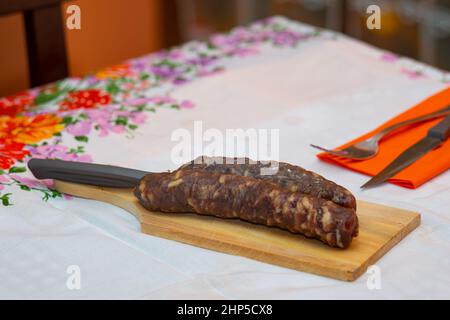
424	169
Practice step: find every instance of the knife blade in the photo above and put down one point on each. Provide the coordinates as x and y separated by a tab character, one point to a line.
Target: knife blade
85	173
436	136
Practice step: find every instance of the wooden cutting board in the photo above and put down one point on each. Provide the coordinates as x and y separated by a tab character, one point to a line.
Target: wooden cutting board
381	228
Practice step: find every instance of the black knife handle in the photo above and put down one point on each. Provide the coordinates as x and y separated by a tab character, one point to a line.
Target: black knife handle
85	173
441	131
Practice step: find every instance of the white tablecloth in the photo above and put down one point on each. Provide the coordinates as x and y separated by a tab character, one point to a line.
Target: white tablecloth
326	90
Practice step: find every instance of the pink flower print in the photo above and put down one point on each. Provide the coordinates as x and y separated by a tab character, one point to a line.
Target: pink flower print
262	36
3	179
206	72
180	81
57	152
49	183
241	34
286	38
413	74
137	101
81	128
67	196
165	72
30	183
138	117
48	151
117	128
82	158
389	57
101	120
202	61
104	126
186	104
155	100
122	113
139	64
219	40
175	54
244	52
162	100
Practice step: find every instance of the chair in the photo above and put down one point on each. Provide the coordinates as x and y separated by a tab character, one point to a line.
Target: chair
46	49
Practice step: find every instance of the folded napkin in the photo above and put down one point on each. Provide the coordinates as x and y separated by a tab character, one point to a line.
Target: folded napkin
424	169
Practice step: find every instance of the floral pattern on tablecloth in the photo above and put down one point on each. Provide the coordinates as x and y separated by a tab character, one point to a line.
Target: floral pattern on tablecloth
57	121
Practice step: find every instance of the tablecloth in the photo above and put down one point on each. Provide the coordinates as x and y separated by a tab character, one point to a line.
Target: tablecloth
315	86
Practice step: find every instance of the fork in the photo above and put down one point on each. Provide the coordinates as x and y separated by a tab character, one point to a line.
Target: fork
369	148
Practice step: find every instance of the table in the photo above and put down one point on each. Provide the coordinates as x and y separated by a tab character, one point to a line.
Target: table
315	86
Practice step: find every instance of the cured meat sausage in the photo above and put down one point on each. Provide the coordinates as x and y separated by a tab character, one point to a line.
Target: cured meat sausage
292	177
254	200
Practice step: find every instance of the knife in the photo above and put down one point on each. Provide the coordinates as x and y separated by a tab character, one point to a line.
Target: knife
85	173
435	137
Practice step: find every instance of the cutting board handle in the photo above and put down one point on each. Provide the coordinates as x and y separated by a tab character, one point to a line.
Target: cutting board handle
85	173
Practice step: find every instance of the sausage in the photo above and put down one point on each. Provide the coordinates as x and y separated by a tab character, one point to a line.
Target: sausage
292	177
254	200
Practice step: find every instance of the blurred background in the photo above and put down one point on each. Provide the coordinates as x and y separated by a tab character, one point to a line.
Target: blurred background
115	30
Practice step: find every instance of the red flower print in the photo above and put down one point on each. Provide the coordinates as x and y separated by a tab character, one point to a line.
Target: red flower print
85	99
13	105
10	152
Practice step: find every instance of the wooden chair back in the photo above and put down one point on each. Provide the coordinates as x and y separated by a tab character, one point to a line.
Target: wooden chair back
44	28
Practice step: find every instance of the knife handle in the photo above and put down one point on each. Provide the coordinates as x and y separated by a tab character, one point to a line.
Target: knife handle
85	173
441	131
